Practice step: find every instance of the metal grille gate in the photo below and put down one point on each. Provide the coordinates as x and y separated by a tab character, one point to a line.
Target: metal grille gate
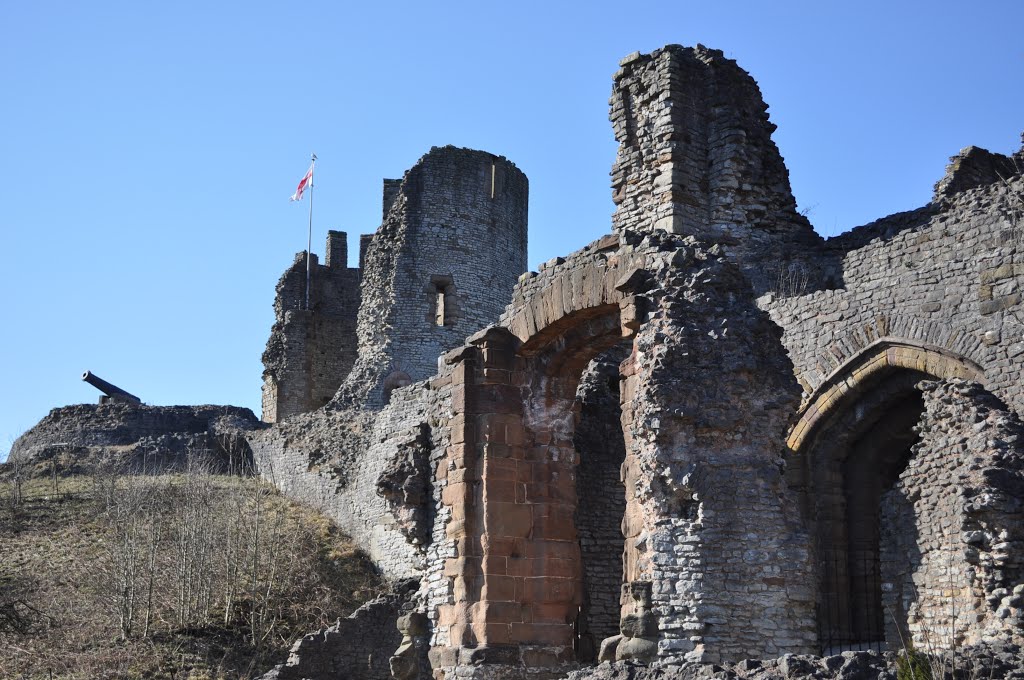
850	614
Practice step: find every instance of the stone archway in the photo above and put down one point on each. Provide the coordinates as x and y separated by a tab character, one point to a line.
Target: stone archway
518	578
551	375
859	372
854	439
705	393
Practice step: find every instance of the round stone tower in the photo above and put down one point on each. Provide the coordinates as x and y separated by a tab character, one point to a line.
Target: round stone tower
440	267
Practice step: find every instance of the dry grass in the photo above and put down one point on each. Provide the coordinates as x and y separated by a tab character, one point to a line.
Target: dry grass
55	564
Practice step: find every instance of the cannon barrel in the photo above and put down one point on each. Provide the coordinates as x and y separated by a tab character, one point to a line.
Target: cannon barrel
108	389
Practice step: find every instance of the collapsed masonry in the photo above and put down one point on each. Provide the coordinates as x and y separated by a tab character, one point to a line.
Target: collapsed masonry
708	436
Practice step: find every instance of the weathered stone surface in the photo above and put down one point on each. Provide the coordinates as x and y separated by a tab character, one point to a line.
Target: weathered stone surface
356	647
944	279
958	512
998	661
974	167
441	266
311	351
138	437
405	484
334	459
599	443
696	158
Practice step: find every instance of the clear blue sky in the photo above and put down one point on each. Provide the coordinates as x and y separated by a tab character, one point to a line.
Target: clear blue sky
147	150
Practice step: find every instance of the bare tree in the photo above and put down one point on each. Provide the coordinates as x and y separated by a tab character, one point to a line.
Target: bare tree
124	508
14	496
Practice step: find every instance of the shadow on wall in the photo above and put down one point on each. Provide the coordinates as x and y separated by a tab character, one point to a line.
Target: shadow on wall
844	476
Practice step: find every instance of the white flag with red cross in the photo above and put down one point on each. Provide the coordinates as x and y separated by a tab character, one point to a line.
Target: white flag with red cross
306	181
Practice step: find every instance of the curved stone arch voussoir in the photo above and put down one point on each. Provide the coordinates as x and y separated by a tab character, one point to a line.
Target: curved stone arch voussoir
572	295
853	341
857	373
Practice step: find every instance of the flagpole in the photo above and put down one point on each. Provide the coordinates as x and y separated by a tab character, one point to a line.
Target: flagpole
309	236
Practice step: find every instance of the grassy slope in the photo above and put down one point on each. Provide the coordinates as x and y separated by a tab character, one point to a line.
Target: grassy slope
51	554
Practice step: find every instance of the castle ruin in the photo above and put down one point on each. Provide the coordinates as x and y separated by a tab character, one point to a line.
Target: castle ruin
710	435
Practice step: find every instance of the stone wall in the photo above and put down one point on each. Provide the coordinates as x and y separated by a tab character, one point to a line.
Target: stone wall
696	158
711	391
311	351
599	443
441	266
334	460
953	524
947	276
357	647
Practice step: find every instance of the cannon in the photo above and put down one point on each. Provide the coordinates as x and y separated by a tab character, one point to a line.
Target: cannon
111	392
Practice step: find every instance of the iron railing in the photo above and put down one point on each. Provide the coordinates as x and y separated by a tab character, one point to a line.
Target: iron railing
850	613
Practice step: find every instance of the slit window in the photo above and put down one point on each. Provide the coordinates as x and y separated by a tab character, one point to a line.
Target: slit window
441	300
439	317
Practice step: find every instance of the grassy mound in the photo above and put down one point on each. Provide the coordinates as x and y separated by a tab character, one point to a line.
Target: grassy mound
172	576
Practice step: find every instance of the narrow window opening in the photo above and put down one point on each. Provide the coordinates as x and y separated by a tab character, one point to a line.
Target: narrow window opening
439	317
441	300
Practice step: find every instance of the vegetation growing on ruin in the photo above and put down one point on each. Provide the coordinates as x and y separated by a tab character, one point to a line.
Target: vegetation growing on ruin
174	576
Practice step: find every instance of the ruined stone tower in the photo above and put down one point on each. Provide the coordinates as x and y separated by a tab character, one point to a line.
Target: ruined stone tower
310	351
442	264
696	158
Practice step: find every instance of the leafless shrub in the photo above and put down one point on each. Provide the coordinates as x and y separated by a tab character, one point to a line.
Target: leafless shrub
183	553
159	575
12	490
130	506
791	279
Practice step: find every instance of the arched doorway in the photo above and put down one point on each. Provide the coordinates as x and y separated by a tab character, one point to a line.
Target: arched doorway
572	428
853	442
522	588
853	461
